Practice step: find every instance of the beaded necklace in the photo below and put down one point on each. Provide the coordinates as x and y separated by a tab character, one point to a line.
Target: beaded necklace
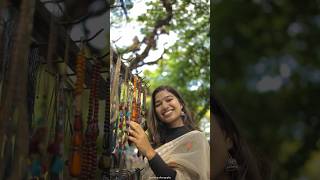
134	115
75	159
89	165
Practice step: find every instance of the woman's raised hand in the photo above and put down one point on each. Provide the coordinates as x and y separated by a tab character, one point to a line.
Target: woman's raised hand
140	139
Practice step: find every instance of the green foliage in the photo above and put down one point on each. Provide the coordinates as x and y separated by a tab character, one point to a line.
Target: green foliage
275	40
186	65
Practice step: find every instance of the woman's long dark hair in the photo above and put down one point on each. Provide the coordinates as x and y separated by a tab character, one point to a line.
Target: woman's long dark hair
248	166
157	129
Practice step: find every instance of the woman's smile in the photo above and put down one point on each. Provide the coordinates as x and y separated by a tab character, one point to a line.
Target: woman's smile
167	112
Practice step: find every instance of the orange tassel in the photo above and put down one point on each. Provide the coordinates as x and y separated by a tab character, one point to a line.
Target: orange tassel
75	164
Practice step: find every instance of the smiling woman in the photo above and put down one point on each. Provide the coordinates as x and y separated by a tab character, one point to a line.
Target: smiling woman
182	151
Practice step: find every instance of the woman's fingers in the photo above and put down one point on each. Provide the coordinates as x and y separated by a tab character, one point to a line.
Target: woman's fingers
135	126
133	133
133	139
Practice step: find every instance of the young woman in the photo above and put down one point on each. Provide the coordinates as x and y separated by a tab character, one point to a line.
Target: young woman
230	155
182	152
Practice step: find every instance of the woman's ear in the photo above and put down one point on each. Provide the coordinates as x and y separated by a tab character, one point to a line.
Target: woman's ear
229	143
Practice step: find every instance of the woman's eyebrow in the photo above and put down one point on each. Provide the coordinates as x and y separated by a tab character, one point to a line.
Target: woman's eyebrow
157	101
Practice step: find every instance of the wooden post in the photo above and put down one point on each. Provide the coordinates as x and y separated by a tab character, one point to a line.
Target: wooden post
15	100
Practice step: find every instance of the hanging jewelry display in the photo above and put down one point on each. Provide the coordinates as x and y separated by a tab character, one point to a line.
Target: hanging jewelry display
75	159
127	104
89	165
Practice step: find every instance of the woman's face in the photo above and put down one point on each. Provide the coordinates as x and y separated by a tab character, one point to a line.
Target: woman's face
219	154
168	108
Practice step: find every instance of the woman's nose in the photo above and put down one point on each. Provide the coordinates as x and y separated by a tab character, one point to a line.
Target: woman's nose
165	106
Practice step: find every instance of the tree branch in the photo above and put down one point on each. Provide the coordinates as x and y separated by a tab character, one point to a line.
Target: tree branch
150	40
142	63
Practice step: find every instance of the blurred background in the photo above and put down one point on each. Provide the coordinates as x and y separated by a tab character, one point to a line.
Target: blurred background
266	69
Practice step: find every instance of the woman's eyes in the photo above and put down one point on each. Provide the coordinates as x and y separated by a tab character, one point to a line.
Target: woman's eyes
167	100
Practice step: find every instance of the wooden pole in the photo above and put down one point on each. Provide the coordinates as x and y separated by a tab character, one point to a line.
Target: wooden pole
15	101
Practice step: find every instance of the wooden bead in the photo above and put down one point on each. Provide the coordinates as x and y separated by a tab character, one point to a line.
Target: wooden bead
75	164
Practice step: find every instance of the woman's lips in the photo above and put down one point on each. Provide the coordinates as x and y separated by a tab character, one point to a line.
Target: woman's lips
167	113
